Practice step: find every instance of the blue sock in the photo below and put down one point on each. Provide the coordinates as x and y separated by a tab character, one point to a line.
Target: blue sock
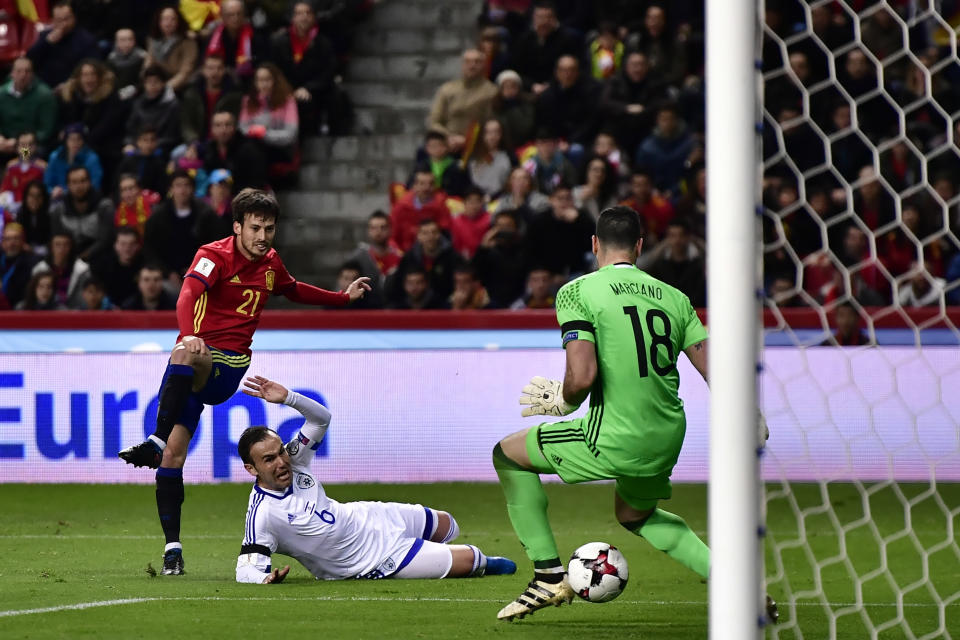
173	398
169	501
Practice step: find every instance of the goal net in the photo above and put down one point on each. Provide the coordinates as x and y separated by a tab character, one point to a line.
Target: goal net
861	380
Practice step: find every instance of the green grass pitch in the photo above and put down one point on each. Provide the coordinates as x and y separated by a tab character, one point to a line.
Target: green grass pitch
65	545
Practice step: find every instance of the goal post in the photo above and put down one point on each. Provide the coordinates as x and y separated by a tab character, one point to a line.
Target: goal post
735	593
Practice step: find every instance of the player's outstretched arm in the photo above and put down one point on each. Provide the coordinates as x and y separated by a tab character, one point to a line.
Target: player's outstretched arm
317	416
581	371
308	294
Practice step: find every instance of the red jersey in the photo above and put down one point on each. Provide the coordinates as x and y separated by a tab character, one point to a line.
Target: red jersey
228	312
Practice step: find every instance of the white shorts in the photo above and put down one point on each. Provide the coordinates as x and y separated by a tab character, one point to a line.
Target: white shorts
411	554
431	560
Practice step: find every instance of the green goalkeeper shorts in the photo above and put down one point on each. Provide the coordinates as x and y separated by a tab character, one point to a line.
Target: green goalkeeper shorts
560	448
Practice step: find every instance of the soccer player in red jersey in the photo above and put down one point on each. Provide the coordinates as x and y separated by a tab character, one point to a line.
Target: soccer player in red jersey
218	310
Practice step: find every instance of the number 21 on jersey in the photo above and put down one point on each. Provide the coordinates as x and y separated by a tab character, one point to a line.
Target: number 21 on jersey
249	296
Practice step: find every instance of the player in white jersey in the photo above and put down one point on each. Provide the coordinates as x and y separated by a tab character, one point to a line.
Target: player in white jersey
290	513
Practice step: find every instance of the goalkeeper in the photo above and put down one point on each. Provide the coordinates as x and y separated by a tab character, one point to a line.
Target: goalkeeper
623	331
290	513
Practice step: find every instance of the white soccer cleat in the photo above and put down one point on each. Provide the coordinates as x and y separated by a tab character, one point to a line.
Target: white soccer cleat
537	595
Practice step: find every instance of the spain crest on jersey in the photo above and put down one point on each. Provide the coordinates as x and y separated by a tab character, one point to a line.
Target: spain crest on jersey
269	276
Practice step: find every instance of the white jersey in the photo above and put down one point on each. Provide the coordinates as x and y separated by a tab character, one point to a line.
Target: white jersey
332	540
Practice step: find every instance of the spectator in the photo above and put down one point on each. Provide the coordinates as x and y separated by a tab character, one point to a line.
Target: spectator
26	105
422	202
16	263
73	153
117	266
150	295
22	170
89	97
469	227
378	260
219	197
501	259
69	271
490	165
568	106
58	48
448	176
417	294
39	296
848	152
176	229
93	296
268	113
145	161
599	188
679	262
432	253
692	207
871	202
461	104
514	109
494	50
229	149
848	333
306	58
605	146
536	51
665	152
213	91
234	40
539	294
921	289
559	238
169	48
655	211
783	292
468	291
135	205
347	273
510	16
158	107
953	280
34	215
83	213
521	197
627	100
549	167
606	52
126	60
666	52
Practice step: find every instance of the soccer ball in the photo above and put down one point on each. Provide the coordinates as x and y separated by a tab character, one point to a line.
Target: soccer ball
597	572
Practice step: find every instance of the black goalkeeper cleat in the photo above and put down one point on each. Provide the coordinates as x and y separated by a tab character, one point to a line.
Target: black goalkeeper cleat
145	454
773	616
173	563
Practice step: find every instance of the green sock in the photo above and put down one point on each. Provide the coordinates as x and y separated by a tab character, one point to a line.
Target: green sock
527	507
670	534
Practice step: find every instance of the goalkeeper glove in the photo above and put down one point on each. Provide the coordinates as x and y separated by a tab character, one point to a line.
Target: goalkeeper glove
545	398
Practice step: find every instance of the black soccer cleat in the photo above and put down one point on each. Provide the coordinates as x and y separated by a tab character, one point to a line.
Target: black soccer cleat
173	563
145	454
773	616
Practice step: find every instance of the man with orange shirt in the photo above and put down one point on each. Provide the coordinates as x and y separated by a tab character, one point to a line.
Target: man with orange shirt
224	292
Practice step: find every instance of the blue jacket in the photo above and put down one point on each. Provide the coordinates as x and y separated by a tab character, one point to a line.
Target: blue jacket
665	158
57	167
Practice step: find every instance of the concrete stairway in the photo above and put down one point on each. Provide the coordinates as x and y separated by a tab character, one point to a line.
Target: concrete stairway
405	50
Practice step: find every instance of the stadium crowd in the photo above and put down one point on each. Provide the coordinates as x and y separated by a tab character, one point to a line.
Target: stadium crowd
126	127
563	108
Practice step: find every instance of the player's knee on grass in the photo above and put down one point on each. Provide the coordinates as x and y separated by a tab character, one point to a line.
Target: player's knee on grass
447	528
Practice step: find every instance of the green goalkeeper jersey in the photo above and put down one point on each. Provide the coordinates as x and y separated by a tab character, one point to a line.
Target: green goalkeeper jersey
639	325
